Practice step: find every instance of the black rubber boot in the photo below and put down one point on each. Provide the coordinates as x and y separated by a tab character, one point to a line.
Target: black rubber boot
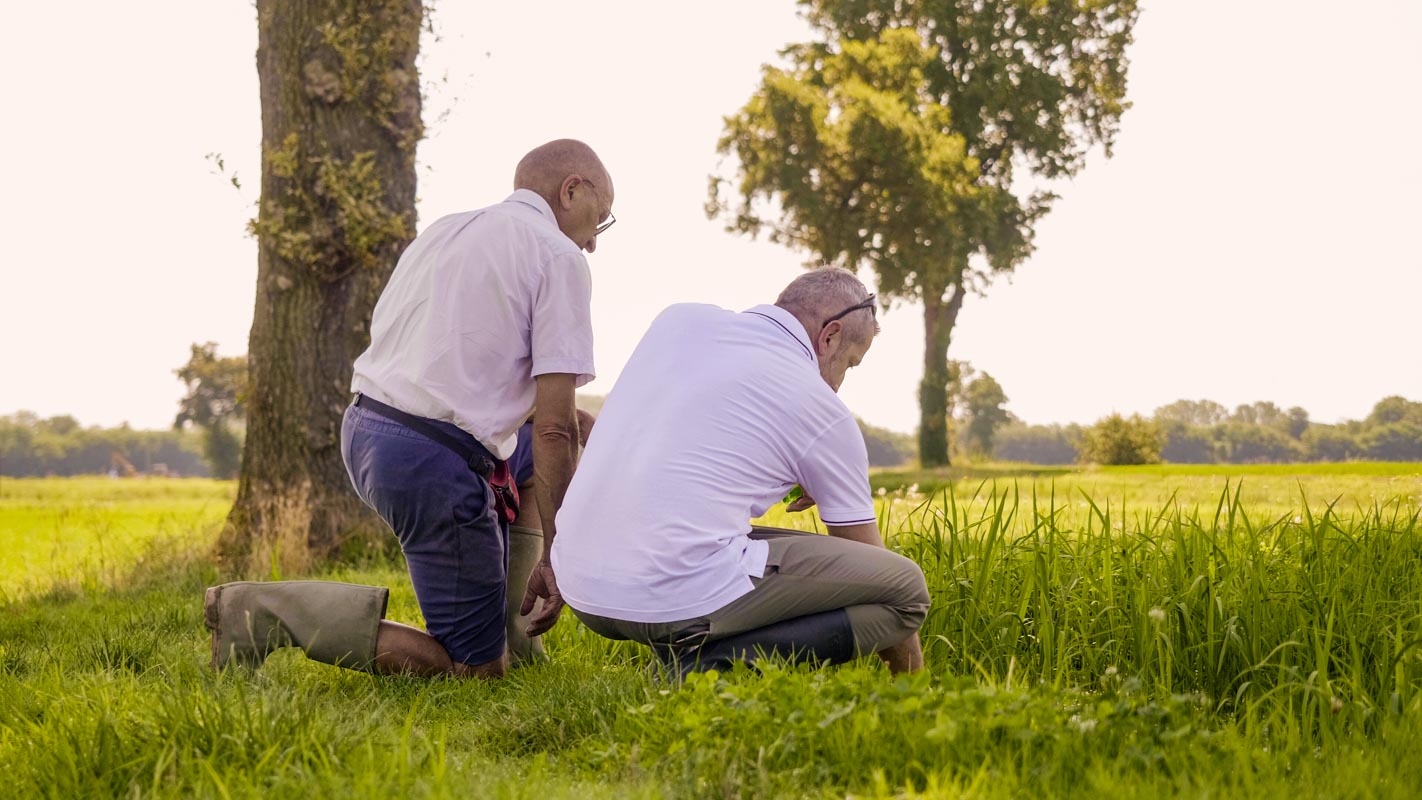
823	638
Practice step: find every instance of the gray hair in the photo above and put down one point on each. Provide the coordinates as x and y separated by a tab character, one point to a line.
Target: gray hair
821	293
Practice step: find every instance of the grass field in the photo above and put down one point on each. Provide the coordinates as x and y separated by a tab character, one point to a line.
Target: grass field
1205	632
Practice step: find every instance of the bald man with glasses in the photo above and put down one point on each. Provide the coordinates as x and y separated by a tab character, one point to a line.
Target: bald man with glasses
485	320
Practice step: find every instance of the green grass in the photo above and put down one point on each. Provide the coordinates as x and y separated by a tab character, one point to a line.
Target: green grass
93	530
1204	644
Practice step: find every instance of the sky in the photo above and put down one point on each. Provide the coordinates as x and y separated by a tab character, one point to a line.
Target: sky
1253	236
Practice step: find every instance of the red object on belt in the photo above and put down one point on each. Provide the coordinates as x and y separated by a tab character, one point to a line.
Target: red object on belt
505	491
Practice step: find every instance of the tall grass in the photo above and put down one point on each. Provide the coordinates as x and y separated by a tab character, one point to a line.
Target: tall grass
1317	615
1078	645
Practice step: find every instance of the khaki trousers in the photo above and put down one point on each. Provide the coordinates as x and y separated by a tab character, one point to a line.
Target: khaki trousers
883	593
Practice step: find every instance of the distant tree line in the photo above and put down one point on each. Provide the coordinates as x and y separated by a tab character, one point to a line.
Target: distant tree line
208	430
35	447
1206	432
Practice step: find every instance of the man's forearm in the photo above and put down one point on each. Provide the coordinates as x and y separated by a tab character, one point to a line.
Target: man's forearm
865	532
555	455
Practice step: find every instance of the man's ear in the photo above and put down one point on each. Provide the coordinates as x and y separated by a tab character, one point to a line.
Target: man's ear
565	192
832	332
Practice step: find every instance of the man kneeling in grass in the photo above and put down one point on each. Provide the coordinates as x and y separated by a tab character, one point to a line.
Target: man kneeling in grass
714	418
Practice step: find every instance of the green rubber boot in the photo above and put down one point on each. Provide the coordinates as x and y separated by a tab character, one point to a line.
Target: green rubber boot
334	623
525	550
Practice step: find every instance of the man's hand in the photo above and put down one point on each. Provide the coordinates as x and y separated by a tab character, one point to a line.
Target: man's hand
585	426
801	503
541	584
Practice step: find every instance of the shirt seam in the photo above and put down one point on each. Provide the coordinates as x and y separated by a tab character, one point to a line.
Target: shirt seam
788	332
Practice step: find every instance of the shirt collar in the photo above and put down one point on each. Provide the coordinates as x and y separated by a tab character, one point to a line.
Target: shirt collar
531	198
792	327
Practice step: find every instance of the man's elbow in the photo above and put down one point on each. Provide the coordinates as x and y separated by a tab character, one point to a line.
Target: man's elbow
557	431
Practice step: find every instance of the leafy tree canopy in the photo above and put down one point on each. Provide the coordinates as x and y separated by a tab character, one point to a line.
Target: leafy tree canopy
892	142
217	387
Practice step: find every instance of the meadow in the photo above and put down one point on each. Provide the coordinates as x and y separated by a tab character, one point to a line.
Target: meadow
1126	632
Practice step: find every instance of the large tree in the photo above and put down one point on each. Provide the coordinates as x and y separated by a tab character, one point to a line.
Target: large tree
899	142
340	101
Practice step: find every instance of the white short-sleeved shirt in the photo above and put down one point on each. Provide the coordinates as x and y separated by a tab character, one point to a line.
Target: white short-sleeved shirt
715	417
479	304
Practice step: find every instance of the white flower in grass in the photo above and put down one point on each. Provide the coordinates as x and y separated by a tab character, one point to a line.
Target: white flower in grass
913	489
1298	520
1157	615
882	491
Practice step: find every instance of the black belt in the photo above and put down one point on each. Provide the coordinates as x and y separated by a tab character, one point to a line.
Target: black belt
474	454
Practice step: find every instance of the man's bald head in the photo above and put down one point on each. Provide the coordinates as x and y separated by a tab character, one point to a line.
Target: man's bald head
547	166
571	178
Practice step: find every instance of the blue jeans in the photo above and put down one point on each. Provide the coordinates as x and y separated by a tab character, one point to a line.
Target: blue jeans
455	545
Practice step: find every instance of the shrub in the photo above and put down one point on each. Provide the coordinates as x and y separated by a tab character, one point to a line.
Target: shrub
1117	440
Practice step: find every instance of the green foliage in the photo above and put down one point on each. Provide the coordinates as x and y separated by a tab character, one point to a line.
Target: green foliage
864	167
1244	443
1198	413
984	405
328	214
1037	444
216	387
369	70
34	447
1200	432
1331	443
886	448
1186	443
1118	440
1395	409
215	401
1397	441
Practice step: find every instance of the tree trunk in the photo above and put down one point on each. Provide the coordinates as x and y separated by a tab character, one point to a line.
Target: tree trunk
939	315
340	120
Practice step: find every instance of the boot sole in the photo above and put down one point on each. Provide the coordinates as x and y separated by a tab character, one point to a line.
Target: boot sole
212	618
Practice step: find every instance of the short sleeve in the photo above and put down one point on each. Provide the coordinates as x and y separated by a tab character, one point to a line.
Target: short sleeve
561	328
834	470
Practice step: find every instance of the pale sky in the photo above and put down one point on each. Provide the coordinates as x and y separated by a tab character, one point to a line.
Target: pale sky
1252	239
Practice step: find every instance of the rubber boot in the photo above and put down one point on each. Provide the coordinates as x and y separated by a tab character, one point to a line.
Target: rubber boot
334	623
823	638
525	551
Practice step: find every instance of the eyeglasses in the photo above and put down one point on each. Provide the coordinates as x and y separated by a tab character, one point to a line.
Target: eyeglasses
605	224
867	302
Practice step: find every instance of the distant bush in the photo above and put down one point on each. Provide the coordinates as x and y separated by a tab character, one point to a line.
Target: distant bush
1187	444
1118	440
1243	443
1037	444
1330	443
1395	441
887	448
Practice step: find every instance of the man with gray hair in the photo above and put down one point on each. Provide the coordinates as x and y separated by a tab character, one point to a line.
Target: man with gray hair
715	417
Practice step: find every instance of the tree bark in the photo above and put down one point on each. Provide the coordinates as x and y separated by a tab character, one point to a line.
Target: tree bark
939	316
340	120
